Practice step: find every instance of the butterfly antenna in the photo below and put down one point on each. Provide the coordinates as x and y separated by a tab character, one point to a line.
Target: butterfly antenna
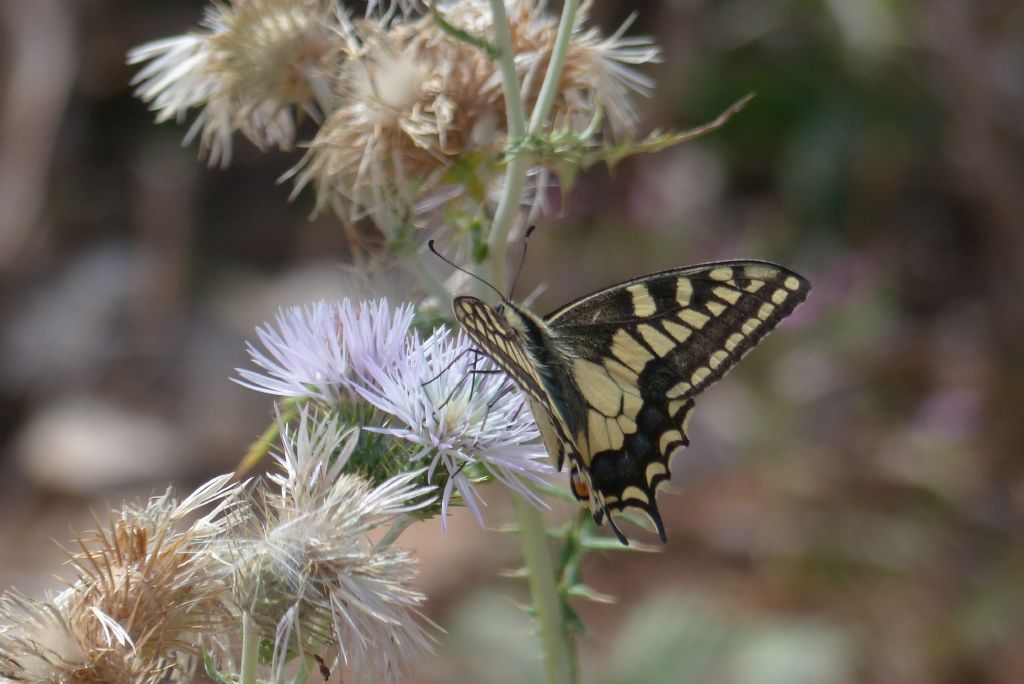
522	260
448	261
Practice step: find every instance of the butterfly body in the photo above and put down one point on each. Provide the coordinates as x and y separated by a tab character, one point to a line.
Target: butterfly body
611	377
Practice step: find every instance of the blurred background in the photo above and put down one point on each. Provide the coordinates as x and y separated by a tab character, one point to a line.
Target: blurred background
852	506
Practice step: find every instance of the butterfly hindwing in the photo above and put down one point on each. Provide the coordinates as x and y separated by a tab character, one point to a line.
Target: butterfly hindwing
612	376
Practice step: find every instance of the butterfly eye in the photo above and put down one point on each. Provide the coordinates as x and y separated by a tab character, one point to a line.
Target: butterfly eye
500	308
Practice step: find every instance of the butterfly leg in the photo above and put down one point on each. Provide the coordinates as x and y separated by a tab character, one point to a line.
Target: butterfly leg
503	390
470	374
454	361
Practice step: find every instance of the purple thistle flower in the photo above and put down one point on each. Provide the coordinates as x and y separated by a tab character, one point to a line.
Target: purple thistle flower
315	351
459	411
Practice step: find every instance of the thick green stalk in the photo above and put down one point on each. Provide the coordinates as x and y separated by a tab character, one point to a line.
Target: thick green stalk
519	162
540	570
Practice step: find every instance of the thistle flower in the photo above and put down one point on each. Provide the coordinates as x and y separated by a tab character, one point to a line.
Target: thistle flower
461	414
413	101
316	350
307	572
145	596
256	63
598	73
422	117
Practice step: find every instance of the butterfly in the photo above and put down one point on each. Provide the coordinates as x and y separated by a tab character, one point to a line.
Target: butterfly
611	377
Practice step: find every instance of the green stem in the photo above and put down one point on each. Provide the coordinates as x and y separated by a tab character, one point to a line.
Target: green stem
518	161
395	531
250	650
553	77
546	602
518	164
305	670
259	448
507	65
308	657
540	565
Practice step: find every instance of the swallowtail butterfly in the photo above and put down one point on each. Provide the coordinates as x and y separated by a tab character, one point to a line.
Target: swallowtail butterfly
611	377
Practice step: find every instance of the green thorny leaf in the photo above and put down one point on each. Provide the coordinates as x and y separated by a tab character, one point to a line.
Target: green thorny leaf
578	536
473	170
567	153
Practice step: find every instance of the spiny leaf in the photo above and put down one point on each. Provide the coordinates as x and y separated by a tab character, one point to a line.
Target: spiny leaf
567	153
571	620
589	593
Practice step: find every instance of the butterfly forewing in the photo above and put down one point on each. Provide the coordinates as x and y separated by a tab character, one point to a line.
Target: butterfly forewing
612	376
496	338
505	344
687	325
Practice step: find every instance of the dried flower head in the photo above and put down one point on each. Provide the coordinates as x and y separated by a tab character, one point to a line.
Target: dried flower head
65	641
422	117
145	596
461	414
316	350
257	63
413	102
307	572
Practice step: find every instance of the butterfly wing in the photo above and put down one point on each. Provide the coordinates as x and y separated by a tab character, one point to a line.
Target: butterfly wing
551	393
641	350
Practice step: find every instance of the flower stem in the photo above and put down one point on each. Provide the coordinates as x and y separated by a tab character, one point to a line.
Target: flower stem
250	650
289	411
400	524
305	670
549	88
518	161
540	568
546	602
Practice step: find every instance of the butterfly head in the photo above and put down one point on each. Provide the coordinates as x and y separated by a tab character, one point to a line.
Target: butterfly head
506	317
